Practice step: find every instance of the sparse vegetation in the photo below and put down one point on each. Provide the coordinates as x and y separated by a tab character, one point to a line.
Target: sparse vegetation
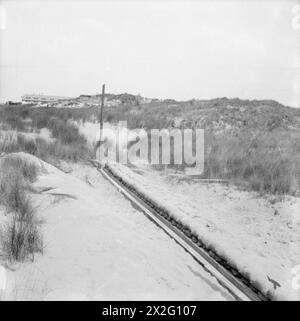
15	164
252	143
69	144
20	236
268	162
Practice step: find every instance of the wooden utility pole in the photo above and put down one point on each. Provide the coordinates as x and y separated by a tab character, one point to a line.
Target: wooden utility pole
101	110
101	118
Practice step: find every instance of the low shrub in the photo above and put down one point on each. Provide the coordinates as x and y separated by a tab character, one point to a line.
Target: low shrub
66	132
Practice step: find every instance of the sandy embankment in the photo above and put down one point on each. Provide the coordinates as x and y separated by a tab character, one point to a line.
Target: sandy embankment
97	246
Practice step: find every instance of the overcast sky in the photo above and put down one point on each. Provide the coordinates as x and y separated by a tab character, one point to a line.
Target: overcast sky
180	49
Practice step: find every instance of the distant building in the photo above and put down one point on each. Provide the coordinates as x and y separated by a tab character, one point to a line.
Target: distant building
27	99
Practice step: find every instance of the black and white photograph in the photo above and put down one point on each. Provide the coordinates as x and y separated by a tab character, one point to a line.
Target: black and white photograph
149	153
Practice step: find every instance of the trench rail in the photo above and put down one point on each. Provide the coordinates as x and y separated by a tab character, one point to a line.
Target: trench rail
240	287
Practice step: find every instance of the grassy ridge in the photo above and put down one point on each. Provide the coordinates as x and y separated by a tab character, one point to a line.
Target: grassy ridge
69	144
253	143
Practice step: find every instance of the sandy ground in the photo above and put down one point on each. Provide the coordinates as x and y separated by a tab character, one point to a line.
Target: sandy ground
90	130
260	238
98	247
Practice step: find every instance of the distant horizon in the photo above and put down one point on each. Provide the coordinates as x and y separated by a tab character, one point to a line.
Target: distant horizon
169	49
148	97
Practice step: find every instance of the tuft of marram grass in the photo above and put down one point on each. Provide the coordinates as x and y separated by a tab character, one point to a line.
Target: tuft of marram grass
20	237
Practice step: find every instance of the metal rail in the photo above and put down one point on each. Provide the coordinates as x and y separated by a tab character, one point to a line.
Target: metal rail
227	276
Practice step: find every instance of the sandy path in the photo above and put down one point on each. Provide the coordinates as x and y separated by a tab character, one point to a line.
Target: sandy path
98	247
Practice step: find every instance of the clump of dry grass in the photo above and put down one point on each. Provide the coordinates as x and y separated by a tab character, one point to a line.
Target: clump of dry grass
20	237
12	191
15	163
267	163
65	131
8	141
